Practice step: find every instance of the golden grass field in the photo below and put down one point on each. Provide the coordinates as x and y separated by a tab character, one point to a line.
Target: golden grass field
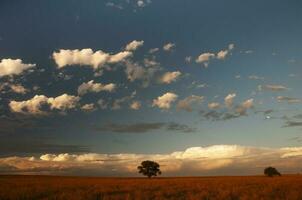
244	187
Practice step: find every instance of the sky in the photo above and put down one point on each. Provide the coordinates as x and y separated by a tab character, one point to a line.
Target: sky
205	87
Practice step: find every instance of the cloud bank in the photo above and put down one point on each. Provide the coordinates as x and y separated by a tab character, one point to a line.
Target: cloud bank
210	160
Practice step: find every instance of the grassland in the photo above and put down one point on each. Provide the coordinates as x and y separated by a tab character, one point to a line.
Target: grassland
245	187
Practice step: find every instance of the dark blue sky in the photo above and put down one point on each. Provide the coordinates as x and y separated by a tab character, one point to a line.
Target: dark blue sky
264	66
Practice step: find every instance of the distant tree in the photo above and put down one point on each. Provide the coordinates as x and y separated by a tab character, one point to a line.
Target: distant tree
271	171
149	168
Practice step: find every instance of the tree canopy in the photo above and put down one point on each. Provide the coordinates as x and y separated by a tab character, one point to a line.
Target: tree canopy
149	168
271	171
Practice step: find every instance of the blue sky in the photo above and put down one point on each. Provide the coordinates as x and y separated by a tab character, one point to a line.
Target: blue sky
194	74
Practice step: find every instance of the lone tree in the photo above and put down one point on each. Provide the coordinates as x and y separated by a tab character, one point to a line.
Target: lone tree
271	171
149	168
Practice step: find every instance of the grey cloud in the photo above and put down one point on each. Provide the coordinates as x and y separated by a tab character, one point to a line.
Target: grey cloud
212	115
144	127
274	88
35	146
144	72
265	112
299	116
179	127
255	77
288	99
219	116
292	124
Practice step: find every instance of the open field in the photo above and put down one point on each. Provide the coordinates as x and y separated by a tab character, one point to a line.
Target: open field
247	187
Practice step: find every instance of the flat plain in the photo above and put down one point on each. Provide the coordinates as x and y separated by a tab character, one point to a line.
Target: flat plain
27	187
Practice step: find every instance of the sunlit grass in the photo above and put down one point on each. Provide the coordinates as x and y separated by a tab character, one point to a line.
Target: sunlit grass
52	187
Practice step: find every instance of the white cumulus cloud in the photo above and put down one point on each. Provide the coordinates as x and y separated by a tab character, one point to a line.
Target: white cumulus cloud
96	60
13	67
63	102
244	106
229	99
170	77
186	103
132	46
165	101
40	103
90	86
213	105
169	46
204	58
135	105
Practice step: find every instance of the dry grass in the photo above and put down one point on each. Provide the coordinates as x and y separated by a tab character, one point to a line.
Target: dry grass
248	187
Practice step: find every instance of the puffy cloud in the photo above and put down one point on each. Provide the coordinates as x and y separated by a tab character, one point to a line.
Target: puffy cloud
274	88
169	46
140	3
135	105
88	107
231	46
98	59
13	67
248	103
153	50
210	160
31	106
143	3
165	101
63	102
241	109
213	105
102	103
222	54
204	58
57	158
170	77
186	103
232	112
117	103
39	103
132	46
18	89
188	59
229	99
90	86
135	71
